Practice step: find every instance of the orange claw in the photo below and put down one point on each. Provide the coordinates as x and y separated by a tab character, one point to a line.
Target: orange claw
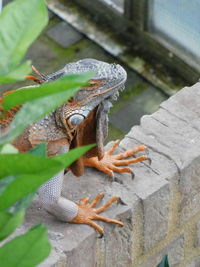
109	163
87	213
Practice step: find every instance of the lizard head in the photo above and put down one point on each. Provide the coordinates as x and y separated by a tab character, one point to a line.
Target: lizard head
106	83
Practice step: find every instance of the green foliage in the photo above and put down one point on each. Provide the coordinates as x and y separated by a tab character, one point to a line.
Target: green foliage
8	149
31	171
21	22
69	82
26	250
21	174
164	262
44	102
40	150
9	222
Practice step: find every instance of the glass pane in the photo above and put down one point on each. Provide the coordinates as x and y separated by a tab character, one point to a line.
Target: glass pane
116	4
177	21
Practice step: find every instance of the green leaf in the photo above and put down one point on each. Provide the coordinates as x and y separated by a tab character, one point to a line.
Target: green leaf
39	107
26	164
39	150
26	250
17	74
33	111
30	164
164	262
68	158
31	176
28	94
9	222
9	149
21	22
22	203
5	181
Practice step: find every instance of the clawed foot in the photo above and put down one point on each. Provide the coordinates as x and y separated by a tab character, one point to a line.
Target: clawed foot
87	213
109	163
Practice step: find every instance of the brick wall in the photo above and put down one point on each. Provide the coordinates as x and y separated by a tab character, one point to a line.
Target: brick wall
162	203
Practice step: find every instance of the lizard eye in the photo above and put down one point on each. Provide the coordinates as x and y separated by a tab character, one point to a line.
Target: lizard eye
76	119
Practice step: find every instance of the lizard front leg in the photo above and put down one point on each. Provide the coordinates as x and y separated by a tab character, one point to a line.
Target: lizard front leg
87	213
52	201
110	163
68	211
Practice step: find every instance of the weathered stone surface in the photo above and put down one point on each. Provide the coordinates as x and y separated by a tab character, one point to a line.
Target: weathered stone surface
185	106
64	34
186	154
197	243
116	247
195	263
179	141
174	250
151	204
70	243
154	193
189	97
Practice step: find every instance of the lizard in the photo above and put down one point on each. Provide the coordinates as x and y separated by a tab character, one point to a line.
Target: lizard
80	121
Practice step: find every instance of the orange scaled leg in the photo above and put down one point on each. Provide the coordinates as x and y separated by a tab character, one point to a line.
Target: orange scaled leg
109	163
87	213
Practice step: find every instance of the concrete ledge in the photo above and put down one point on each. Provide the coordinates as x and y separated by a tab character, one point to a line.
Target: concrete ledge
161	208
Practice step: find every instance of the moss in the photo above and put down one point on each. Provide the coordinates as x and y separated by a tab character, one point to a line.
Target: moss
156	71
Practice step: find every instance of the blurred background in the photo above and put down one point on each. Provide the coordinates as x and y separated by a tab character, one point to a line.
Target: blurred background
156	41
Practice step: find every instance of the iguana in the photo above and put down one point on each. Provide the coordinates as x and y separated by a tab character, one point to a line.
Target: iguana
80	121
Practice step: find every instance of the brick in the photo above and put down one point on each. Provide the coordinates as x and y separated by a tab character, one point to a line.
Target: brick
154	193
195	262
186	148
197	243
179	141
70	242
177	109
116	247
185	105
117	242
162	136
189	97
174	250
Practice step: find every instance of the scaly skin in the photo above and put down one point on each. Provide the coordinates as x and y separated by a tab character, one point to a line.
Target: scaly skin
80	121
